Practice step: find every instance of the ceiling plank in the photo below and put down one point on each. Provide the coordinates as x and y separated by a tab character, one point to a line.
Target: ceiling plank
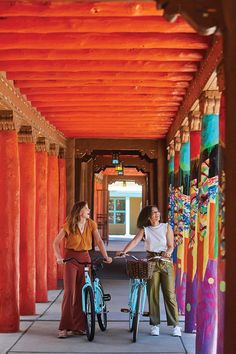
107	105
103	75
158	83
113	108
112	24
103	40
99	54
103	97
98	89
70	8
96	65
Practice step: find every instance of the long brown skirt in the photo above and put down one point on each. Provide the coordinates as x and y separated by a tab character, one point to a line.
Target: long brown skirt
72	317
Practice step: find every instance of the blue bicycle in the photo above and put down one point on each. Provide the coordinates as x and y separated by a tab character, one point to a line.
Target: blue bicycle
93	297
139	271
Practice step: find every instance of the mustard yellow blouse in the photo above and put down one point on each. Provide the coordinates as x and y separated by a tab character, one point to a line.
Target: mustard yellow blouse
80	242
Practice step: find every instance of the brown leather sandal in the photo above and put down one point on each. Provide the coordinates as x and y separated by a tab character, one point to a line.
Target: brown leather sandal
62	333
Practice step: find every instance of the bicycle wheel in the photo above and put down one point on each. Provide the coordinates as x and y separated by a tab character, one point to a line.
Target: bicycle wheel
89	313
102	317
137	314
131	312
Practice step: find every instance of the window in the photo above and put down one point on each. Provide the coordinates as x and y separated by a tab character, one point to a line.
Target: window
117	211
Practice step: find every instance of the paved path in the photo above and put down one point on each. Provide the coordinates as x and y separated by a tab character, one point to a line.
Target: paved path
38	333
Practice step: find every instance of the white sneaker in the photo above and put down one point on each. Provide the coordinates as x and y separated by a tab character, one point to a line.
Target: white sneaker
176	331
155	331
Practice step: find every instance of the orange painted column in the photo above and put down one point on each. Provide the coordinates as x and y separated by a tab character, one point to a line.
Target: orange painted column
52	225
9	224
62	202
27	221
41	220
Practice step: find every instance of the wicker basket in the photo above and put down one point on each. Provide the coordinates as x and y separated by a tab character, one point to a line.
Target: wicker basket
140	269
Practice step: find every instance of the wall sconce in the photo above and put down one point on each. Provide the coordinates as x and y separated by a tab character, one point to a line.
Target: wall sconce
115	159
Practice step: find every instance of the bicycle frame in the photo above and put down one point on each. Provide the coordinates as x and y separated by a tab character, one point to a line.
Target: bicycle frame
133	293
95	286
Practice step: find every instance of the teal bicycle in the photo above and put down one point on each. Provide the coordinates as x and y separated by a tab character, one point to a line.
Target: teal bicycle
139	271
93	297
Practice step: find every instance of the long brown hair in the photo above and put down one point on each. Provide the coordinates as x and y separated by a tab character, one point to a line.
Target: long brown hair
73	218
144	216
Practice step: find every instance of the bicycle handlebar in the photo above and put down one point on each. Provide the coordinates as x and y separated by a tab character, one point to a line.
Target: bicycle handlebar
148	259
84	263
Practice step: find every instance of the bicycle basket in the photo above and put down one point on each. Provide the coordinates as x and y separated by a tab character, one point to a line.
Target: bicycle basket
140	269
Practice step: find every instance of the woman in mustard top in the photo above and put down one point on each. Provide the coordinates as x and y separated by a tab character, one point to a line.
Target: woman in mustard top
79	231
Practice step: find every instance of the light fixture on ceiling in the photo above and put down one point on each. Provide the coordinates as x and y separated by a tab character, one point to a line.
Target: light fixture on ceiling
115	158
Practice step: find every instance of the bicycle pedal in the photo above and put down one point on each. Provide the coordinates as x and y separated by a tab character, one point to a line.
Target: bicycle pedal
145	314
106	297
124	310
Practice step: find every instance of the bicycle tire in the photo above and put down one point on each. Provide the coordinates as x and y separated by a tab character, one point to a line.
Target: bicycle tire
102	317
89	313
137	314
131	317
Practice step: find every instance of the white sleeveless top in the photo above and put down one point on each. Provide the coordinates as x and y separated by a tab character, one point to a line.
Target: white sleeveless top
155	238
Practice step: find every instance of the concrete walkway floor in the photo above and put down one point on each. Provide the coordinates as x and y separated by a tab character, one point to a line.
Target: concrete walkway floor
38	333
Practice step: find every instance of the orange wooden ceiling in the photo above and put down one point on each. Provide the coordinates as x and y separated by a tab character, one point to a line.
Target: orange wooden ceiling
109	69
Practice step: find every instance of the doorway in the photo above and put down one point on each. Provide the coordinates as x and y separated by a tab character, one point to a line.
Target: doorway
124	205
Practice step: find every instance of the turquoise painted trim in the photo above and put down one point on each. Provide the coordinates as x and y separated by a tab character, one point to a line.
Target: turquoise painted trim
210	131
171	165
185	157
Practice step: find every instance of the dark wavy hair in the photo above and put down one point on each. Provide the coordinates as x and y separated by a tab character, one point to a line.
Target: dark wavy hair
73	218
144	216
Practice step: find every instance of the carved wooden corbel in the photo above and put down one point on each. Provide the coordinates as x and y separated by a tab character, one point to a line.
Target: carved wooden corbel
205	16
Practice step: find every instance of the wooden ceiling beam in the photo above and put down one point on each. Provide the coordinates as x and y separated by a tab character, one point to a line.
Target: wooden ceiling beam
110	115
121	84
72	8
103	97
104	90
107	105
103	75
96	65
76	134
95	108
99	54
112	24
103	40
212	60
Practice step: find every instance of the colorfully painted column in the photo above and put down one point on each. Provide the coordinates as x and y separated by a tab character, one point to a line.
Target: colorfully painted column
206	339
183	218
27	221
221	255
62	202
171	205
191	280
52	224
177	144
9	224
41	220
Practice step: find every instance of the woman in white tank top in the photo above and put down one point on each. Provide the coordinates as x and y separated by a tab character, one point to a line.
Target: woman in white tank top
159	240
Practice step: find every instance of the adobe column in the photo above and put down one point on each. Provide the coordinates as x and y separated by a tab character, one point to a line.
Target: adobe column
207	250
62	200
221	224
52	226
41	220
27	220
191	283
182	235
9	224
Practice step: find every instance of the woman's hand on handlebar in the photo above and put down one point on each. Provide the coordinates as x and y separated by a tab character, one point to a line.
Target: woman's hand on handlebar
107	260
120	253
